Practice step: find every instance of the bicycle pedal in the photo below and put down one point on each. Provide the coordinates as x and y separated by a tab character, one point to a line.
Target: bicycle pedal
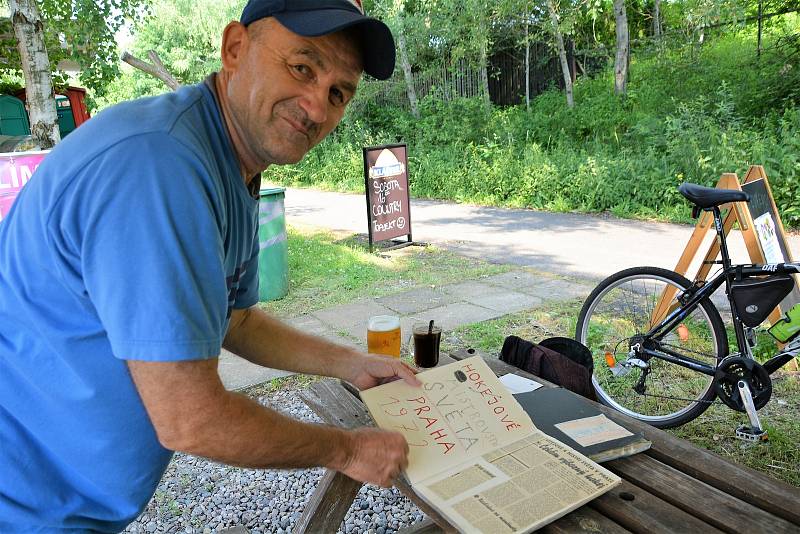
747	433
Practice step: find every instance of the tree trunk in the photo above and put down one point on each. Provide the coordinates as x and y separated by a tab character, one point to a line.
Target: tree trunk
412	93
657	20
760	27
485	76
29	31
562	53
527	65
623	44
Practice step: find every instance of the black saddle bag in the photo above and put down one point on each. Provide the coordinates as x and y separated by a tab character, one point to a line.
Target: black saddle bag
755	298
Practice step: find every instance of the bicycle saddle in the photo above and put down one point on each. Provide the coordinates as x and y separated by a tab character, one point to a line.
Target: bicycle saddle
708	197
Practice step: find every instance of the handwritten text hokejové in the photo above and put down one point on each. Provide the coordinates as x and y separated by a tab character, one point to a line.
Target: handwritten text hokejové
451	414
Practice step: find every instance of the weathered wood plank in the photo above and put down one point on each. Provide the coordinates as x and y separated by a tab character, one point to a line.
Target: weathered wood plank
758	489
718	508
584	520
329	504
639	511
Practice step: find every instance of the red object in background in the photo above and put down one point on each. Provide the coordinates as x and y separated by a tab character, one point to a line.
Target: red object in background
77	100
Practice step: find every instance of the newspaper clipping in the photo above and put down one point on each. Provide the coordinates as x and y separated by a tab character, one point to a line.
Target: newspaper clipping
518	488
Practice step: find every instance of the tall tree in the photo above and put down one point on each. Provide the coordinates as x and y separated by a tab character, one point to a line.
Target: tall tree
402	18
402	48
464	29
48	32
657	19
623	48
562	52
28	30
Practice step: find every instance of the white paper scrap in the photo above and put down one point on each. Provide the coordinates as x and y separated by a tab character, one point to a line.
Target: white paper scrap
518	384
592	430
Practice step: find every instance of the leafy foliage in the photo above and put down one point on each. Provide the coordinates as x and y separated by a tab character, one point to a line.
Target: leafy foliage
688	117
186	35
83	31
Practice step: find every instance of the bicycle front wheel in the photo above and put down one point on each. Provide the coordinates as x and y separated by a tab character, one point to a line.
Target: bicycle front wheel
615	317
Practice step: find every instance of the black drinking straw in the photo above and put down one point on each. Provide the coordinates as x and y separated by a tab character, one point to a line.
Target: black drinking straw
430	327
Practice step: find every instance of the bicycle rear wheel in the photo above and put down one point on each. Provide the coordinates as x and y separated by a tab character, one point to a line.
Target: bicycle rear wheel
623	308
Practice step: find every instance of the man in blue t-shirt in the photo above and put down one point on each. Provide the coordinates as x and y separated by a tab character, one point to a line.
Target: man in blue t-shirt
130	259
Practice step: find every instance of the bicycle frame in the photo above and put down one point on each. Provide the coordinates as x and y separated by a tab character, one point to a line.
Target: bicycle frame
729	272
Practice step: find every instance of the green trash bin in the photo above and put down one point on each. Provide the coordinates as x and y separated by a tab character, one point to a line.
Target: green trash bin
273	258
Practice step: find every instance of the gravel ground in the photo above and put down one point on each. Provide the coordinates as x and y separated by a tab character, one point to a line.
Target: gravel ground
200	496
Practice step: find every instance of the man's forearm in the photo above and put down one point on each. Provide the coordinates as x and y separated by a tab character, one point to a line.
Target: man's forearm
264	340
192	412
241	432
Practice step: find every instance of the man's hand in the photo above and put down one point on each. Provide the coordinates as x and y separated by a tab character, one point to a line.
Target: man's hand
367	370
377	456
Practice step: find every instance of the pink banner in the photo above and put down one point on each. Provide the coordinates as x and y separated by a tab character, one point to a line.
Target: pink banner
16	169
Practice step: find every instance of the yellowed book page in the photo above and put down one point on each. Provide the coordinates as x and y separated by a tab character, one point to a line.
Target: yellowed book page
461	411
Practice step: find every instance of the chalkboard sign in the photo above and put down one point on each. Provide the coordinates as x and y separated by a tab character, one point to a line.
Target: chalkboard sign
766	222
386	181
768	229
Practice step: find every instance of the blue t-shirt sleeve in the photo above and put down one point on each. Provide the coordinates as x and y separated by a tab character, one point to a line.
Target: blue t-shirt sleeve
152	255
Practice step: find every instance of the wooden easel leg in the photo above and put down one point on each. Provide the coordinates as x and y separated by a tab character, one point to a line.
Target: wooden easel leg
329	504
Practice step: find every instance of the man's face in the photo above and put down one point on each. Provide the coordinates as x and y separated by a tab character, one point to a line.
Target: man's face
288	92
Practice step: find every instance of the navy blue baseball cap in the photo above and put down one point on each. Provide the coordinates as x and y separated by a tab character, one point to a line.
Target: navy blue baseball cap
313	18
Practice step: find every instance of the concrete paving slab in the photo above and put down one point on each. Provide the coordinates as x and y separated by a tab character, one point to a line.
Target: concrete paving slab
470	288
346	316
517	279
506	301
238	373
559	289
454	315
417	300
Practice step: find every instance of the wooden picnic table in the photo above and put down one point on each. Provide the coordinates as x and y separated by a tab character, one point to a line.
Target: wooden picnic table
672	487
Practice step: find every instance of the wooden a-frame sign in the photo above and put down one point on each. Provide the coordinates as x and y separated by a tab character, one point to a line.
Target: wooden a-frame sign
736	212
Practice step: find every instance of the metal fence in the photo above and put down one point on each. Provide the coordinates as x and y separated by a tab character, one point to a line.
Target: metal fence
506	73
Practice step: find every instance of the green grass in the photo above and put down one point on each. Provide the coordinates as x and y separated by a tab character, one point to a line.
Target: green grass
714	430
327	269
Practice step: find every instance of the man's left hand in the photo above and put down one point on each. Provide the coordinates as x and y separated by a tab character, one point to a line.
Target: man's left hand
370	370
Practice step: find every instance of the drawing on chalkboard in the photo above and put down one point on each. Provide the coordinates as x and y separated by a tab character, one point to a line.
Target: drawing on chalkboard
768	237
386	165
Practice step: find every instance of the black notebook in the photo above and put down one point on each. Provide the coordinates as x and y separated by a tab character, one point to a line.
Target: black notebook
550	406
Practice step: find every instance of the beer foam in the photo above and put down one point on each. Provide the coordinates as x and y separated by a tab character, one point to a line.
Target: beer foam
383	323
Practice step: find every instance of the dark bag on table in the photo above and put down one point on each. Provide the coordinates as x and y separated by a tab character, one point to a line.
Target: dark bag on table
562	361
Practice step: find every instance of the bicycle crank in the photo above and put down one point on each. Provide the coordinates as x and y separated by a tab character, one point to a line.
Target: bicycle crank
735	369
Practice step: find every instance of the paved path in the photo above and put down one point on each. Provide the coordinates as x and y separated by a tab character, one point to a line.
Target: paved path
581	246
578	249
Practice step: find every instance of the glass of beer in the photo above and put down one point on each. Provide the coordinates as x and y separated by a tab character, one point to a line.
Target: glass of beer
383	335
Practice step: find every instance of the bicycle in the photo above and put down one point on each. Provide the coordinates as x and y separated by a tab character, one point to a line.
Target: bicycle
660	347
